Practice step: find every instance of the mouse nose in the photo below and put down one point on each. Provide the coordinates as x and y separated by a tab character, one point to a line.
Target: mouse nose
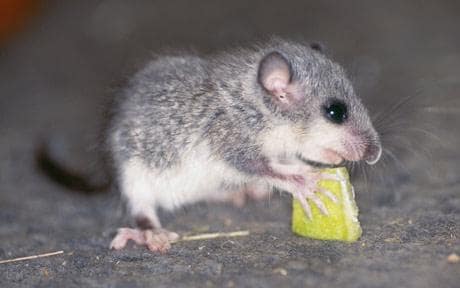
373	153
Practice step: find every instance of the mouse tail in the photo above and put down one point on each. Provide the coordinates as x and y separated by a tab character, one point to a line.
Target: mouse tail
65	176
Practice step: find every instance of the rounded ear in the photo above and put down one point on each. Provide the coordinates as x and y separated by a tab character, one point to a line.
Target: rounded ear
275	76
274	73
317	46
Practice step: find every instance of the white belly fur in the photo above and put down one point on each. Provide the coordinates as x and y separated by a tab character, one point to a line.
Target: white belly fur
199	176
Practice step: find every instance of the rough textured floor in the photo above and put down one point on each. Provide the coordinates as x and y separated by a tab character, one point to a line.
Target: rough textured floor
55	78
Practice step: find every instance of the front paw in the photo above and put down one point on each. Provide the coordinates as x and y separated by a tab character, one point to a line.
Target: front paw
308	189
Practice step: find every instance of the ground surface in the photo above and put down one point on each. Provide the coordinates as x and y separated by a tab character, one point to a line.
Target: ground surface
54	79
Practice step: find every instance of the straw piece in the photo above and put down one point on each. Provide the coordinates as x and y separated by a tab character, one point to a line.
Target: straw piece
31	257
207	236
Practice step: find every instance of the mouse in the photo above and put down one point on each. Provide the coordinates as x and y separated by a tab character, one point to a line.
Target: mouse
232	124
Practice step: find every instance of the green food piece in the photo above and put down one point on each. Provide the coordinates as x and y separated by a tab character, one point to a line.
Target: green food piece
342	222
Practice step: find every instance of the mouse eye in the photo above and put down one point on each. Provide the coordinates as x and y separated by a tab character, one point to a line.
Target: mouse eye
336	112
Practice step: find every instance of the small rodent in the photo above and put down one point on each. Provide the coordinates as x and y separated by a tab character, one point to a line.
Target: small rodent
215	128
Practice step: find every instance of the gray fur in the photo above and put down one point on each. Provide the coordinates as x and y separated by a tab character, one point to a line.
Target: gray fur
218	97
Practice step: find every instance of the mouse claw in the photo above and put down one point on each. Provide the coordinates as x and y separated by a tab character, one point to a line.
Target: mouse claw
320	205
304	196
306	207
328	194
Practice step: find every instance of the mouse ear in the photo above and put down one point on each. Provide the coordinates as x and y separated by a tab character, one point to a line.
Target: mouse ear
275	76
318	46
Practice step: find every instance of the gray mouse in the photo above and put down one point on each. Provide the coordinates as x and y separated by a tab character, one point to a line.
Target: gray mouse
190	128
229	125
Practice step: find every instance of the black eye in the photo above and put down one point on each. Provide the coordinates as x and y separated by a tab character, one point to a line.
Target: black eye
336	112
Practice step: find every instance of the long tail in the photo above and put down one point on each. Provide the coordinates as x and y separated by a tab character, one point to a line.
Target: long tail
66	176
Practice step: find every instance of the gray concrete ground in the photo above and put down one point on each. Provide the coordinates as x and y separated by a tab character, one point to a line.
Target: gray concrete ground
55	78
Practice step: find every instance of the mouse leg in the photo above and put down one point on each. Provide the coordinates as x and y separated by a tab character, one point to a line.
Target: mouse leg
136	187
258	190
255	190
237	197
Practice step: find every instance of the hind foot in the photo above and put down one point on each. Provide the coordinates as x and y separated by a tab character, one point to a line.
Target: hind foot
156	240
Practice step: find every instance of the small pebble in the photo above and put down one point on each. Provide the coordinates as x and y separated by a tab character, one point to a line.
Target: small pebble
280	271
228	222
453	258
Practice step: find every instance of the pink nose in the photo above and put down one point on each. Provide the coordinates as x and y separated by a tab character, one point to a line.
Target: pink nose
373	153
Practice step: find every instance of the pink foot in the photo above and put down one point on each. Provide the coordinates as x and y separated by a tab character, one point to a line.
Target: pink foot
156	240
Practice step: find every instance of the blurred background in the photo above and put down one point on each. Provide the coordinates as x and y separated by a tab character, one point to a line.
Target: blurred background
62	61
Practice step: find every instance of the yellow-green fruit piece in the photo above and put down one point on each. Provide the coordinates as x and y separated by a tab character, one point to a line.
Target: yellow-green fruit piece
342	222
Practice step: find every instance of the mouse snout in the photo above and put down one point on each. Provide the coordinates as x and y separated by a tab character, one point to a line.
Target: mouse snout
362	146
373	152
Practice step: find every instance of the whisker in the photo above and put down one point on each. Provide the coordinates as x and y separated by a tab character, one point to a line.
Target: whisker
366	180
443	110
428	133
393	109
395	159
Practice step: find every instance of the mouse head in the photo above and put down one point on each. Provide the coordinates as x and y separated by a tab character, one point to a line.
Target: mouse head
318	115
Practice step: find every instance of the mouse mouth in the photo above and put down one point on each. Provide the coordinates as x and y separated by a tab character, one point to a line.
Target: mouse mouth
317	164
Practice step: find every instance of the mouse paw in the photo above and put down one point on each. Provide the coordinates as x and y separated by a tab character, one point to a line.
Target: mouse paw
310	190
124	235
158	240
